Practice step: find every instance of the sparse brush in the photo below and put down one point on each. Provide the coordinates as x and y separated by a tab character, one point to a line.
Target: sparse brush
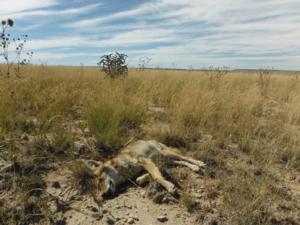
13	60
189	202
82	179
247	199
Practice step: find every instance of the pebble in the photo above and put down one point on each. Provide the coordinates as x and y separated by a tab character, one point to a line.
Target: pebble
118	218
162	218
105	211
110	221
97	216
133	217
130	220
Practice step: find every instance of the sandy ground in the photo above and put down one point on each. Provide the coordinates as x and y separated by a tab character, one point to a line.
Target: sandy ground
133	206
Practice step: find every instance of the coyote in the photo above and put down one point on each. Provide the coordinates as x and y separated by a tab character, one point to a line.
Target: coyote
137	157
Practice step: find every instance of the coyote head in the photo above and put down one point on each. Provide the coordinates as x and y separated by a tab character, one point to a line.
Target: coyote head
105	175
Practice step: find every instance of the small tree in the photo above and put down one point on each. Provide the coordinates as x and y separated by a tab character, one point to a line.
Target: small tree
114	65
6	41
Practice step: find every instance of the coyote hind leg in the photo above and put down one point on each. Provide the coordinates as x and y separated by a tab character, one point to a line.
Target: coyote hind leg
175	154
153	170
191	166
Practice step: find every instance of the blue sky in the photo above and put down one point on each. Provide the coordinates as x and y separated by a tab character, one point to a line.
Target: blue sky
173	33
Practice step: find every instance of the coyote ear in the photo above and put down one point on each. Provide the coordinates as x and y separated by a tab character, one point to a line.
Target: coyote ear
94	167
98	170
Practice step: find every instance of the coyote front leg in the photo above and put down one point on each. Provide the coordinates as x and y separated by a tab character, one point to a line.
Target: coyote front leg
143	179
153	170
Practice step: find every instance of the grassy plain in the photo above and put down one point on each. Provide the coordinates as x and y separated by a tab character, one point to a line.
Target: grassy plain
248	121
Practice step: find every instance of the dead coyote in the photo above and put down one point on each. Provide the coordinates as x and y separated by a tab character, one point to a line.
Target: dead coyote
137	157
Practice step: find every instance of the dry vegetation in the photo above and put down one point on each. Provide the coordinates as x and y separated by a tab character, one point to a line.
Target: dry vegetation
245	126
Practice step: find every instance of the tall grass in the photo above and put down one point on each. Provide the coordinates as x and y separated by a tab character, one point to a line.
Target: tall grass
259	112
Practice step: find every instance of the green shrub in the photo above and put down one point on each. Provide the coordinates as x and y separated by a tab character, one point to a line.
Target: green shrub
114	65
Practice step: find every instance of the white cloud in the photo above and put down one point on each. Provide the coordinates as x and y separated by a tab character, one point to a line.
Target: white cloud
185	32
138	37
59	42
141	10
131	38
47	12
14	6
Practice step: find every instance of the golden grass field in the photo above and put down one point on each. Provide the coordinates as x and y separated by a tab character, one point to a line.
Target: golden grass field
246	115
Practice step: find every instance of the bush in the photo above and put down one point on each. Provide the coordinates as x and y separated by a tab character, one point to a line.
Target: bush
114	65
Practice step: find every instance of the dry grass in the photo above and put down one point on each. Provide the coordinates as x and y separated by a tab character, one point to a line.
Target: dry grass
259	113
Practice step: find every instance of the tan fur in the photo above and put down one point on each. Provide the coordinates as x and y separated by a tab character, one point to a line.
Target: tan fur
137	157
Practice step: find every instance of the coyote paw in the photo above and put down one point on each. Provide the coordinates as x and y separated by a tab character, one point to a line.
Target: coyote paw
195	168
171	189
200	164
98	199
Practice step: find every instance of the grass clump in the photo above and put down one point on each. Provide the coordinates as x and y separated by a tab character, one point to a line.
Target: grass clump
113	124
82	179
189	202
248	199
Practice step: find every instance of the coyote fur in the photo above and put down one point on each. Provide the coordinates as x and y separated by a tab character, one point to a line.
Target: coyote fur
137	157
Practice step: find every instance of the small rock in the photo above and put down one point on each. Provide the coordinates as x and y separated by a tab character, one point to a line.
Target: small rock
105	211
162	218
130	220
97	216
94	209
110	221
118	218
133	217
